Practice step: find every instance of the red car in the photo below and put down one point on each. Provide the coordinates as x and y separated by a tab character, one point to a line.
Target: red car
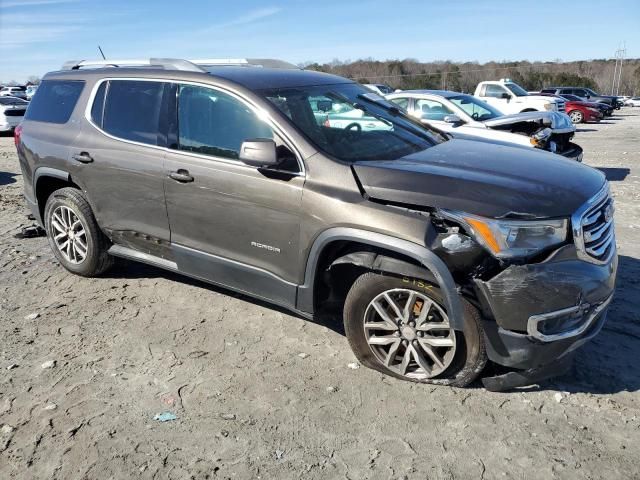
578	110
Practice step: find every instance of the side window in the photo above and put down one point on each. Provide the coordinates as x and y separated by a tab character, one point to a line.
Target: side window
55	101
132	110
215	123
431	110
401	102
97	108
495	91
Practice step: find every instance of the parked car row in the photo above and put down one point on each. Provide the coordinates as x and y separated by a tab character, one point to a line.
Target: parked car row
23	92
12	110
465	115
632	102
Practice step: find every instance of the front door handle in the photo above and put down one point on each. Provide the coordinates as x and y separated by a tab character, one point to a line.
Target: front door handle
82	157
182	176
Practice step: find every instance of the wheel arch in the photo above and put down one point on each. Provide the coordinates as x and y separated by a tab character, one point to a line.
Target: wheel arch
375	251
47	180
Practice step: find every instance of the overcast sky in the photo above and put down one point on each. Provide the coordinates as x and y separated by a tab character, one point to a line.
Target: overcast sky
37	36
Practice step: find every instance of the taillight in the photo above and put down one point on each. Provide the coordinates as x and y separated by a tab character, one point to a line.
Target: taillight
16	134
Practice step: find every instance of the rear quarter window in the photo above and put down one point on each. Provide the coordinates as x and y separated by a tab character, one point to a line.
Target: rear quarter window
54	101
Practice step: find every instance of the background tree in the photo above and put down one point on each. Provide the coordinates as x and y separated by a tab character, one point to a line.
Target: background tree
411	74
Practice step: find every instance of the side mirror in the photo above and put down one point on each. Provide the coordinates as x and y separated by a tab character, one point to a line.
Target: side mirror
452	119
506	96
259	152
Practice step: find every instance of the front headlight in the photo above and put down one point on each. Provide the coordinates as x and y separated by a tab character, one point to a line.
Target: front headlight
541	137
550	106
513	238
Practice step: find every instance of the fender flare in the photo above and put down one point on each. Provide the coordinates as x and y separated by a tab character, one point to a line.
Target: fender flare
49	172
429	260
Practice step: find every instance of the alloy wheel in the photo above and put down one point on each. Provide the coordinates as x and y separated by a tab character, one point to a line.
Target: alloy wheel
409	333
576	117
69	235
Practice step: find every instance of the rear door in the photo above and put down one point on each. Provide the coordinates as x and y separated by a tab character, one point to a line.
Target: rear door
118	160
231	223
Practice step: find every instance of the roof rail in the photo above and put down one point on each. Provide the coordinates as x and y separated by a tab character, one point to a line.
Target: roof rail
249	62
179	64
166	63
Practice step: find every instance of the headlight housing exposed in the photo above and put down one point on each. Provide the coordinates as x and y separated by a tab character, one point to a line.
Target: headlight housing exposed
513	238
541	137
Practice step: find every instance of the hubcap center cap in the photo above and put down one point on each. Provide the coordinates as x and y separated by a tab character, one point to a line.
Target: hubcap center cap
408	332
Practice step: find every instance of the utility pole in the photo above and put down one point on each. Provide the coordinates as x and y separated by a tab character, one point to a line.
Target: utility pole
617	69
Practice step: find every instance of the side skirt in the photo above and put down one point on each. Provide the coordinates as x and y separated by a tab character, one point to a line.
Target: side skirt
219	271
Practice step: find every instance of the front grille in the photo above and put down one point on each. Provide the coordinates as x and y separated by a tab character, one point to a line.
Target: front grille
14	113
594	228
561	107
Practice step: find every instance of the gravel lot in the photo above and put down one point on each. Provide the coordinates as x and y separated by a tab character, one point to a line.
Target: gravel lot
259	393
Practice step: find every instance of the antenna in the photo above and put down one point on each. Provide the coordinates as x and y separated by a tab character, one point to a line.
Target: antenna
101	53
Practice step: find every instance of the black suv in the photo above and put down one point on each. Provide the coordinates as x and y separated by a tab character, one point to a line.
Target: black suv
585	93
438	253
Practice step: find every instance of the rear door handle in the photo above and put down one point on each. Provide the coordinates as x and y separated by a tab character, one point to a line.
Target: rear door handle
182	176
82	157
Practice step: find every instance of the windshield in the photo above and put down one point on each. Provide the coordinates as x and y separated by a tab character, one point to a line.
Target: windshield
351	123
516	89
475	108
386	89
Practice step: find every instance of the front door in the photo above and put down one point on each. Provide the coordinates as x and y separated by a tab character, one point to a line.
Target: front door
499	97
433	113
232	224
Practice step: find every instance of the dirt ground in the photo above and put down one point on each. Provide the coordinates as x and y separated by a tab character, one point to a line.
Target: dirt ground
259	393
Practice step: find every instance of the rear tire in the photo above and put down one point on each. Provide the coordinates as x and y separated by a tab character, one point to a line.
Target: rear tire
422	336
75	238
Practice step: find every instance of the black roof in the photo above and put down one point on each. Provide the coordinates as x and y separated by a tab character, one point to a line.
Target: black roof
256	78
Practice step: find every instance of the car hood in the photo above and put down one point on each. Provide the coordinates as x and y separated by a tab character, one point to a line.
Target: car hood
540	98
555	120
482	178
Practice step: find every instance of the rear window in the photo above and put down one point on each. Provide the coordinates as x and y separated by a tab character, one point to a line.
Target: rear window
131	110
54	101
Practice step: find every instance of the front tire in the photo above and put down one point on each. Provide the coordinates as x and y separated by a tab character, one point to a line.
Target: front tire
75	238
576	116
400	327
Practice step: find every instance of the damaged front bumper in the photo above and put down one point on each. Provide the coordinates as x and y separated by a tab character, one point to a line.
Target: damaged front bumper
572	152
536	315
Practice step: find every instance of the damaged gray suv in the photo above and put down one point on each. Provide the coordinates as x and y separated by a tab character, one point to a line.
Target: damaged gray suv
439	253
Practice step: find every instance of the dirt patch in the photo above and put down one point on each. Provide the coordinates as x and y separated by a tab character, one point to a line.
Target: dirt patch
141	342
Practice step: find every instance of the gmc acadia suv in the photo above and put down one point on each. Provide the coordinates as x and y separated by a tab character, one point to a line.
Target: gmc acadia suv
440	253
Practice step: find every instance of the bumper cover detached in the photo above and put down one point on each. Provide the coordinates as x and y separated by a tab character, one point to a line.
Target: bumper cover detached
543	312
572	152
